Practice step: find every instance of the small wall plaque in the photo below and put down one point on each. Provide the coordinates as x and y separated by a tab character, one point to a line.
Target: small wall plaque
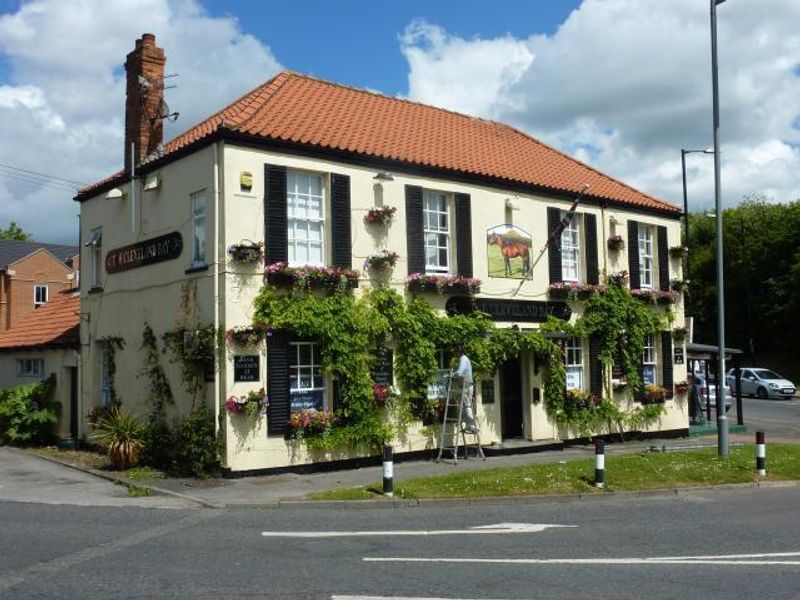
246	367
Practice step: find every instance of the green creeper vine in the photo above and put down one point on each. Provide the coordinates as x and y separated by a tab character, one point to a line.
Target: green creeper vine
112	344
196	357
347	329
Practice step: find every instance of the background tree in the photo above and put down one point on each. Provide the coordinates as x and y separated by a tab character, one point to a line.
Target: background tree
14	232
762	281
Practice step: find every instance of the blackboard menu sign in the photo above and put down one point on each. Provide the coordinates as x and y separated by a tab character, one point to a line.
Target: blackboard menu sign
678	355
245	367
382	371
617	372
487	391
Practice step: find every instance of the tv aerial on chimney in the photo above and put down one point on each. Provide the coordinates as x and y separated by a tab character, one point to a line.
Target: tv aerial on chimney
164	113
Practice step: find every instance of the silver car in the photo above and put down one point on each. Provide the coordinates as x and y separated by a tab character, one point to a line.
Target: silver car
701	389
762	383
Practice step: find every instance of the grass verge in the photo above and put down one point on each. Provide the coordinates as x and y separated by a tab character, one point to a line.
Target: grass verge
627	472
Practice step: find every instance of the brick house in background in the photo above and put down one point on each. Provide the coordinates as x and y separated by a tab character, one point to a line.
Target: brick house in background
46	343
30	274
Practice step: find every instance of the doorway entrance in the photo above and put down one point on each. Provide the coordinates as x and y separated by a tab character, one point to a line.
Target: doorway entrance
511	398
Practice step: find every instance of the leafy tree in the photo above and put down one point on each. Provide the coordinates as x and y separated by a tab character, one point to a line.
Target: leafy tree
14	232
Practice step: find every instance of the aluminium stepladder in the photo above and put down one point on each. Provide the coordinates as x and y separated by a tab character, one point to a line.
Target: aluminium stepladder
452	422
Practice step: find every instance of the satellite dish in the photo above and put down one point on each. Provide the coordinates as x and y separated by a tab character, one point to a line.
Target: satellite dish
163	112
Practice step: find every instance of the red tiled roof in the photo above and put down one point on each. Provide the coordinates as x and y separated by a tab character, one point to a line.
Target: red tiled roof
56	323
304	110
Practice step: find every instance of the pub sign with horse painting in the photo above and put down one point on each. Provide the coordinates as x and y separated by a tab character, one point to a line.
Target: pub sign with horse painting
508	251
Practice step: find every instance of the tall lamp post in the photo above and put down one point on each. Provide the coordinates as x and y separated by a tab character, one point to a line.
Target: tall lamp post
684	152
723	445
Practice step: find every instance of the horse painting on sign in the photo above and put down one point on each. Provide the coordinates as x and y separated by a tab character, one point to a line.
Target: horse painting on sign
508	251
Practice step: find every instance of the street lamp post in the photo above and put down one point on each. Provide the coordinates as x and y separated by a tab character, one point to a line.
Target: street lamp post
723	445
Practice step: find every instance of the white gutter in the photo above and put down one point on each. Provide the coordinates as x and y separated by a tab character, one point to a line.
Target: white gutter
217	222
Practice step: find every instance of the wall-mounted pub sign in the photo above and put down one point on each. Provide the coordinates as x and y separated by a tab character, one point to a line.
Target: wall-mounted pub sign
148	252
679	356
245	367
525	311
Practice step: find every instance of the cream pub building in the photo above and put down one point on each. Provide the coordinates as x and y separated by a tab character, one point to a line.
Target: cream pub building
295	165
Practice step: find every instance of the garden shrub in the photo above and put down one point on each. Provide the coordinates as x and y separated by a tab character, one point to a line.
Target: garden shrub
28	415
197	447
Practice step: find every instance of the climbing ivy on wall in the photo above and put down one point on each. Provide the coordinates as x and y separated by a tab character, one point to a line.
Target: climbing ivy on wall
196	352
348	328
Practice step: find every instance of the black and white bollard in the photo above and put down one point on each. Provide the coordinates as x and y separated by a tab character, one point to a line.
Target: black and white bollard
388	472
599	463
761	454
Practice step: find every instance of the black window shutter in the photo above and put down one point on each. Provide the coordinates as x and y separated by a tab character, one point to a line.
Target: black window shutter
278	383
590	237
341	255
666	359
276	245
554	248
464	234
595	366
663	258
414	230
633	255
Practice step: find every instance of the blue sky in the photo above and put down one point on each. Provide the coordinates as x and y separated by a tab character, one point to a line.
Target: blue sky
620	84
356	41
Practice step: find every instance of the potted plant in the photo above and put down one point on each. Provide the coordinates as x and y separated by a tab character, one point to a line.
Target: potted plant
615	243
311	276
654	394
310	422
384	259
682	387
381	215
246	252
122	436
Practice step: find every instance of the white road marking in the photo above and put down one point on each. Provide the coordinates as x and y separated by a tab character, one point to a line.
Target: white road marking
725	560
482	529
390	598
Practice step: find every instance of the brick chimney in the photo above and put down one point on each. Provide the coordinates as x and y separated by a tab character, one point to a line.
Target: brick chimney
145	91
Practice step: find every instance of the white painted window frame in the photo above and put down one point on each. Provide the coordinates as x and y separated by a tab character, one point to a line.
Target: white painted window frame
37	298
313	370
571	250
646	256
649	361
436	231
573	361
30	367
301	222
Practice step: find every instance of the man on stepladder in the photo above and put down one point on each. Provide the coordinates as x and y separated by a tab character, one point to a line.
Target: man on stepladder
464	369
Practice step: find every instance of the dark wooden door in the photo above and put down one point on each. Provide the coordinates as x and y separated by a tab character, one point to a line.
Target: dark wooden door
511	394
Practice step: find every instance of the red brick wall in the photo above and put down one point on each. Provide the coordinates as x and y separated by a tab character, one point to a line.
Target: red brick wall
38	268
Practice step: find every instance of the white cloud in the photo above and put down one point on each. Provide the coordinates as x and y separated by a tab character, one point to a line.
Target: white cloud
62	106
625	84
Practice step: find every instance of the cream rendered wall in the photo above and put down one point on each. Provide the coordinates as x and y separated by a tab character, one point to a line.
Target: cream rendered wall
56	362
161	294
244	220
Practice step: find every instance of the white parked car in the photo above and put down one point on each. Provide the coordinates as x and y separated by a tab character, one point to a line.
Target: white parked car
700	391
762	383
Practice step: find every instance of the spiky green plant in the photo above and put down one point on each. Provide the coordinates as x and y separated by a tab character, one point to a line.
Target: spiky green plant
122	436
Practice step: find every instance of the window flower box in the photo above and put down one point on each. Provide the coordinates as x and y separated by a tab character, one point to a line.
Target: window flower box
310	422
443	284
252	404
655	296
245	336
580	400
246	253
307	277
381	215
616	243
574	291
655	394
384	259
678	251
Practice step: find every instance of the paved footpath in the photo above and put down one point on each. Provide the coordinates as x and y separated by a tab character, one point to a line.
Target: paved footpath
27	478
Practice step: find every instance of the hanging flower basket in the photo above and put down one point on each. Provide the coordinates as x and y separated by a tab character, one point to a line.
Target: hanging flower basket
308	277
655	394
679	334
246	253
678	285
252	404
443	284
678	251
245	336
682	387
616	243
382	215
620	279
384	259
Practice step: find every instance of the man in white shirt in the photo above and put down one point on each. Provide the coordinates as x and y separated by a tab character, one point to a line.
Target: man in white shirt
464	369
